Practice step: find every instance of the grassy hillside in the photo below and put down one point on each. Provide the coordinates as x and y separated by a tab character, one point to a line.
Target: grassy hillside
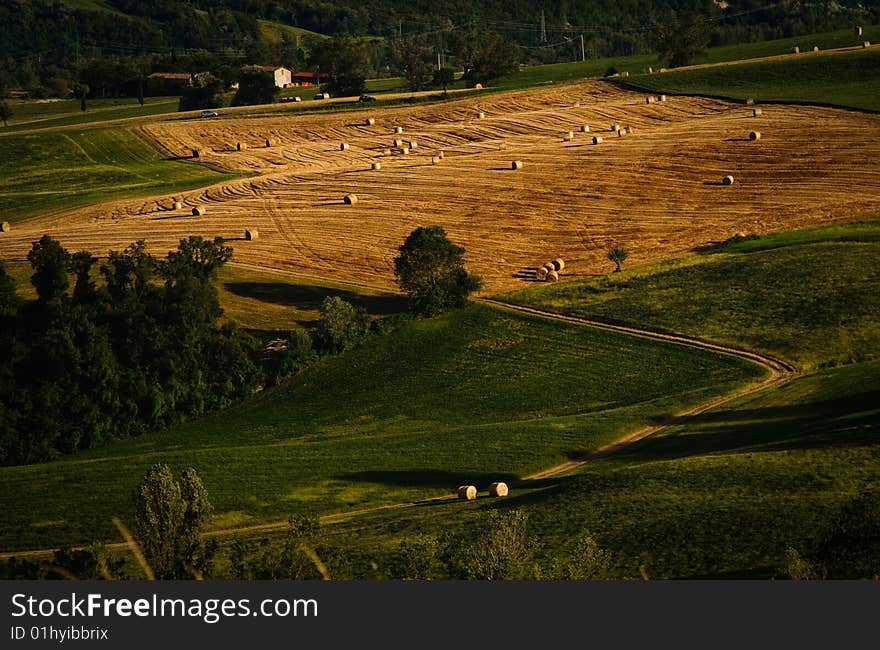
472	396
849	79
35	114
63	169
810	296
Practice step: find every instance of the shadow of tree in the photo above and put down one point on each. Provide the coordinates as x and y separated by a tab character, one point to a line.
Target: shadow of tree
309	297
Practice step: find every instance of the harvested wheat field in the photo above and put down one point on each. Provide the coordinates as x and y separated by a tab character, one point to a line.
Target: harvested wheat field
657	192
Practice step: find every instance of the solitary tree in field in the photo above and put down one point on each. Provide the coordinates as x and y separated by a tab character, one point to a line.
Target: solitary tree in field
618	255
170	516
5	112
430	268
443	77
682	41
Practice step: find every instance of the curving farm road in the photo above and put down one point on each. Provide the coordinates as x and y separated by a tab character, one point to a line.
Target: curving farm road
779	372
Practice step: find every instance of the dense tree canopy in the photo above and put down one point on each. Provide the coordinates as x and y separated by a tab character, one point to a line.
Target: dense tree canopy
430	268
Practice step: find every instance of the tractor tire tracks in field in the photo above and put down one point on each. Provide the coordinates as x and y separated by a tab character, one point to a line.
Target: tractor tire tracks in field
779	372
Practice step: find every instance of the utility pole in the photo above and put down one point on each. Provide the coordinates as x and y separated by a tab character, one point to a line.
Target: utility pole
583	55
438	59
543	27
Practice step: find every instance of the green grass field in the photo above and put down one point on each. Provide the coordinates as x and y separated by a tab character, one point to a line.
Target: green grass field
32	115
267	300
809	296
849	79
472	396
63	169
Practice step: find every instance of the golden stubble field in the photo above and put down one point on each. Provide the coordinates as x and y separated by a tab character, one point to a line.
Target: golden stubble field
656	192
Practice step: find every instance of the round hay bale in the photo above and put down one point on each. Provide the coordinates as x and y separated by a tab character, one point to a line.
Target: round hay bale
727	180
662	70
568	137
435	160
649	100
858	30
649	70
404	150
585	128
369	121
196	153
398	143
376	166
795	50
178	205
559	264
750	102
866	45
625	73
498	489
198	211
413	144
350	199
552	276
756	112
241	146
597	139
398	129
615	127
270	143
621	132
467	492
661	98
755	135
516	164
541	273
815	48
441	155
478	87
343	146
297	98
481	115
5	227
322	96
251	234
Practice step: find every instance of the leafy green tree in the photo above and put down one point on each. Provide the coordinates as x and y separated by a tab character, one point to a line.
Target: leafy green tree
342	325
9	298
5	112
170	517
485	55
206	92
412	55
346	61
617	255
430	268
50	261
255	86
586	561
681	41
850	548
84	290
83	91
443	77
499	549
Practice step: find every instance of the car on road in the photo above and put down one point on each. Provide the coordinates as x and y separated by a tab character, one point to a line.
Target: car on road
210	114
366	98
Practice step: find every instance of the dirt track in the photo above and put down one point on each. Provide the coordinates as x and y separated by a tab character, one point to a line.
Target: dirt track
780	372
656	191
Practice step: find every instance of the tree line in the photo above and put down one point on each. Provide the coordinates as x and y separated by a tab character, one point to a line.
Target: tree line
52	49
137	344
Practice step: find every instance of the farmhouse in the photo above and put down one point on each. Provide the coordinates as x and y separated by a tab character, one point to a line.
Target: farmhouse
170	81
280	74
309	78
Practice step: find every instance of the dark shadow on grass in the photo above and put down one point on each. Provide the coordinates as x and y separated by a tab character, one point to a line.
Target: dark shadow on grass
428	478
309	297
736	140
714	183
850	421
